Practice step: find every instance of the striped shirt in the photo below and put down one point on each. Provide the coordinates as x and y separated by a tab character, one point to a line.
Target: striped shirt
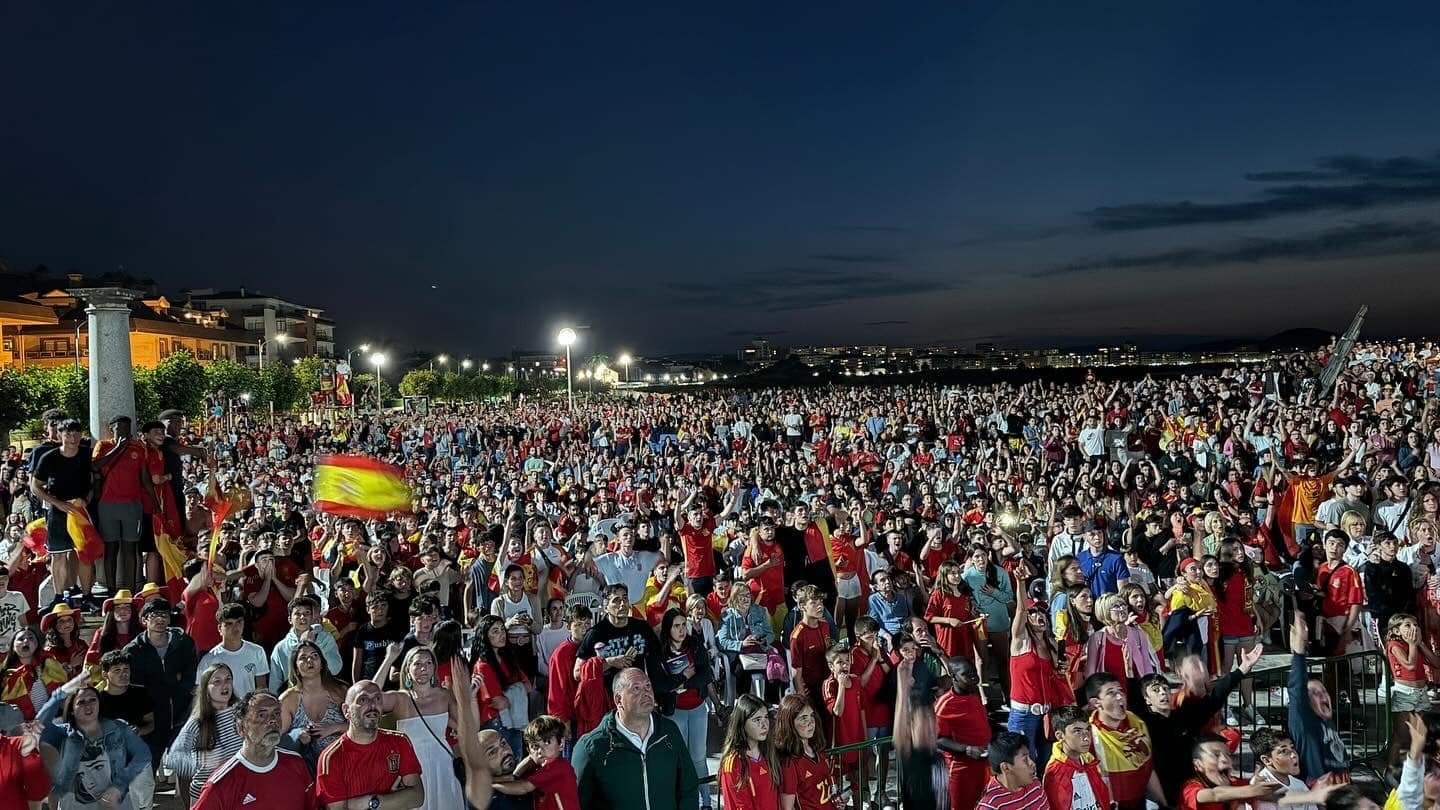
999	797
225	743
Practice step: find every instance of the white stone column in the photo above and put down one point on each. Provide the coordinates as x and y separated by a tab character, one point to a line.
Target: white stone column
112	376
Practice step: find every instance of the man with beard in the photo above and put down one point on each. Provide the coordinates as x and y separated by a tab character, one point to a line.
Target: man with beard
368	768
261	774
500	758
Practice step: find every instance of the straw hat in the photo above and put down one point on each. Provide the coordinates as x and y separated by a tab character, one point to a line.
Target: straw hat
122	596
55	614
150	591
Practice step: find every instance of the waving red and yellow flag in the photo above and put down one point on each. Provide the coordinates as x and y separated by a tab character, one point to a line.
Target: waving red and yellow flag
360	486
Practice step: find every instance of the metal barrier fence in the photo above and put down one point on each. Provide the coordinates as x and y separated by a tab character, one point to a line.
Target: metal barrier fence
1359	692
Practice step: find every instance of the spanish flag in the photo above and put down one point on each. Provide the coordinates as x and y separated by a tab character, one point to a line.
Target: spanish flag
89	547
359	486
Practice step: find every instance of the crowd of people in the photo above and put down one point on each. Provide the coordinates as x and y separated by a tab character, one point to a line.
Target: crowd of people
821	586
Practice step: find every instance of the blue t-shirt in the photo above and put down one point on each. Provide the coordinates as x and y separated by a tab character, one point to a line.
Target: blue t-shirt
1104	571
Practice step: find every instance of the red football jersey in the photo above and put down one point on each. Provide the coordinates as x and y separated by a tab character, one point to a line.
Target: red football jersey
284	784
348	769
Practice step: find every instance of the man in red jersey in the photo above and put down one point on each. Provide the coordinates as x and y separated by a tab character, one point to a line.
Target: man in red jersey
368	768
696	531
260	774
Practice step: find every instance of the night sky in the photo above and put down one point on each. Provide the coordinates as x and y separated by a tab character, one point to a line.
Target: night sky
682	177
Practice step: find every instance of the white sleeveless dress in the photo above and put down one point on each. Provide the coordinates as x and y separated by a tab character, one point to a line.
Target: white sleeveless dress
427	737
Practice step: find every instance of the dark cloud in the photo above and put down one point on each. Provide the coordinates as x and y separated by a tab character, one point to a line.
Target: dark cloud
756	334
1338	183
1349	241
1010	234
886	323
855	258
797	288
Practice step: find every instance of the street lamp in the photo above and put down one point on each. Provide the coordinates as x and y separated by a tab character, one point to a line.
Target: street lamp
567	339
279	340
484	366
466	364
441	359
378	359
625	362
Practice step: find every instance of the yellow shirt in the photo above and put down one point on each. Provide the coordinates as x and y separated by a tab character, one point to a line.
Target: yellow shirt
1197	597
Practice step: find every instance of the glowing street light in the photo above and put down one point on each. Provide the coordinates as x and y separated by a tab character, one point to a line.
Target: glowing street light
625	361
378	359
466	364
567	339
279	340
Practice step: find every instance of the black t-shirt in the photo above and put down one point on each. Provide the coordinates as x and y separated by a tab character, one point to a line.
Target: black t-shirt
614	641
38	451
792	545
130	706
65	477
175	468
371	641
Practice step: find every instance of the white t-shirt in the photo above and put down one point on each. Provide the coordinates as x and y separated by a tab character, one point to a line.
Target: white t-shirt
545	644
13	607
1292	785
245	663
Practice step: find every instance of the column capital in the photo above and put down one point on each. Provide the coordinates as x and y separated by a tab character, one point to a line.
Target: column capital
107	298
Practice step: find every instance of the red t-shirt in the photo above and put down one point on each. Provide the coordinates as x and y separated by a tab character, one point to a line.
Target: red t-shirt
284	785
1236	611
487	684
807	651
274	620
1190	792
748	789
769	587
200	622
932	557
848	727
877	712
555	780
348	769
699	549
953	641
1416	672
122	475
1341	586
809	781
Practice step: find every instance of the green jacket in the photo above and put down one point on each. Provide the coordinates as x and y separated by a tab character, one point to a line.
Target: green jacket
613	773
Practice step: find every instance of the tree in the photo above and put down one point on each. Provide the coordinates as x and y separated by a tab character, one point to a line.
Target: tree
147	399
180	383
18	400
421	382
278	385
231	377
307	374
363	386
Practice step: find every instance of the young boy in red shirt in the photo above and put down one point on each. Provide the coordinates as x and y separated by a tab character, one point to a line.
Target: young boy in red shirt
1213	787
845	701
808	643
544	771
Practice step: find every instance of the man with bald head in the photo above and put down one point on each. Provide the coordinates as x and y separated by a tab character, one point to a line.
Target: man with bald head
500	759
635	753
261	773
368	767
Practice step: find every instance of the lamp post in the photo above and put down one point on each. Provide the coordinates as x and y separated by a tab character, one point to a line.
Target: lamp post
466	364
378	359
279	340
441	359
350	369
625	363
567	339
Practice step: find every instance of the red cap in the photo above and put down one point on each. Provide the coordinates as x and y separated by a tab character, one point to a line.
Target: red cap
1187	562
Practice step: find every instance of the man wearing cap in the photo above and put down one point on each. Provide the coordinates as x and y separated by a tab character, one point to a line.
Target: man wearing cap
125	485
61	480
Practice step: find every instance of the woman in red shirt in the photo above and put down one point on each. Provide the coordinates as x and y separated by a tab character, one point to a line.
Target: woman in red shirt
951	610
1235	613
496	669
806	781
845	549
749	767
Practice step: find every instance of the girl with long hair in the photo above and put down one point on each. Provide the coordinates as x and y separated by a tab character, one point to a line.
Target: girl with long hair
1143	613
951	610
1064	573
446	643
209	738
681	686
424	712
310	708
994	600
98	759
1235	615
499	676
30	676
806	781
119	626
749	767
1073	628
61	627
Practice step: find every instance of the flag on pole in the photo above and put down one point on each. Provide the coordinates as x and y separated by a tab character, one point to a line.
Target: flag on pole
360	486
